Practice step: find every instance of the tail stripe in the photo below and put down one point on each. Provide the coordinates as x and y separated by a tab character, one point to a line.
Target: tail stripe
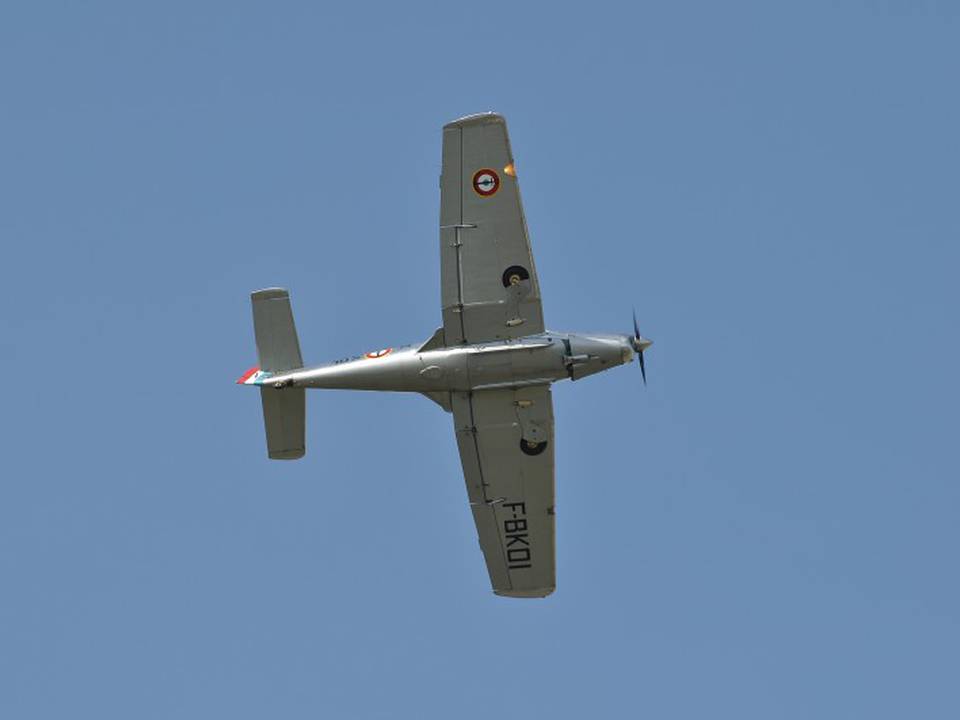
247	375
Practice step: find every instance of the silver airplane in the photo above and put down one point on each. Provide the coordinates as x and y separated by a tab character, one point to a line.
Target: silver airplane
490	365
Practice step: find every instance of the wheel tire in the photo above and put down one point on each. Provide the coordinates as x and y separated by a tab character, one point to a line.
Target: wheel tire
514	274
532	448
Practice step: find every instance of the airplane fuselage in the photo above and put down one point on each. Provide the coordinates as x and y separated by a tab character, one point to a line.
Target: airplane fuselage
531	360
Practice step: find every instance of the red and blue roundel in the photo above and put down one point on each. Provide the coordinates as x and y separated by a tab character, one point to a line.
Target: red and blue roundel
486	182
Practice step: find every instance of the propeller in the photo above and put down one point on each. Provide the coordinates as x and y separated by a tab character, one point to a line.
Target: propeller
640	344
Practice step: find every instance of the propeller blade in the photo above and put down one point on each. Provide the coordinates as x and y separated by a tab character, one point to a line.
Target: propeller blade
639	345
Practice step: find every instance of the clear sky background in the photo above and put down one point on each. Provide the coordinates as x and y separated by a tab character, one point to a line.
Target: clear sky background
768	530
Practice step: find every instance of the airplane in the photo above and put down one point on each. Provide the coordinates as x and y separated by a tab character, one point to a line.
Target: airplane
490	365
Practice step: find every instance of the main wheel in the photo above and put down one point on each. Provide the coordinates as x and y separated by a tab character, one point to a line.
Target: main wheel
531	447
514	275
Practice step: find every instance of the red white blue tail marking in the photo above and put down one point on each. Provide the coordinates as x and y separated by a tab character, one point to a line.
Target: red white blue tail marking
253	376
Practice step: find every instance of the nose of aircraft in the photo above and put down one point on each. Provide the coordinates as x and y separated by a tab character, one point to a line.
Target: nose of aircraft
633	345
640	343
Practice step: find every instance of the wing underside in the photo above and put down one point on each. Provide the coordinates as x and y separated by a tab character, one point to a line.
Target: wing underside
489	284
505	438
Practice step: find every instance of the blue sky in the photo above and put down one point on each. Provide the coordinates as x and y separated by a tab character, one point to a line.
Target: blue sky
768	530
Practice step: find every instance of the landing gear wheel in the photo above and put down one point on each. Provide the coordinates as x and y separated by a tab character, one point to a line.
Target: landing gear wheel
514	275
530	447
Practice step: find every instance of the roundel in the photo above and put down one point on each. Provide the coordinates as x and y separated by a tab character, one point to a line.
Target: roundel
374	354
486	182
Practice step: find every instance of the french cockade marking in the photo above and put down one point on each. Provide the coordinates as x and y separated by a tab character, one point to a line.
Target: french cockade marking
486	182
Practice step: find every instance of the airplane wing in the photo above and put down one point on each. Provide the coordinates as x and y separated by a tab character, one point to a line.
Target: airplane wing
488	282
510	483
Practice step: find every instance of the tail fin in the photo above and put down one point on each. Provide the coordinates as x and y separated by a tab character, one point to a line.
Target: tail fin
284	410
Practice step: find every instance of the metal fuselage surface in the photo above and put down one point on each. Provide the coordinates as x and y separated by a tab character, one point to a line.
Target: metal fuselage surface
531	360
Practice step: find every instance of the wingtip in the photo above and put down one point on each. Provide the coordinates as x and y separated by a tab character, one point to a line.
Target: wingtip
270	293
533	593
292	454
483	118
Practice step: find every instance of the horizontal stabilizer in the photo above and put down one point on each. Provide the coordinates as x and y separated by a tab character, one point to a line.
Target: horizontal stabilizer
277	344
284	417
